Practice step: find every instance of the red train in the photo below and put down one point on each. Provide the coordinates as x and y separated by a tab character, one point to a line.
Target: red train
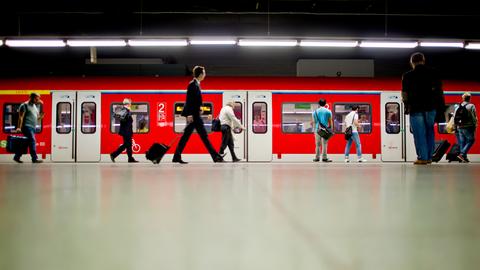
79	125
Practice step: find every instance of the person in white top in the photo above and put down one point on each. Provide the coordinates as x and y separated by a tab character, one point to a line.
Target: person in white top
228	122
352	120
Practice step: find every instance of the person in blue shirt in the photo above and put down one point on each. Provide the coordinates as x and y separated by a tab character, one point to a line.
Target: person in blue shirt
324	116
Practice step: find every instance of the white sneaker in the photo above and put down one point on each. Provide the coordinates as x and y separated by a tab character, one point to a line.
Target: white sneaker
347	160
362	160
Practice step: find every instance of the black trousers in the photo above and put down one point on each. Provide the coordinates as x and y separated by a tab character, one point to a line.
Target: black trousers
199	126
227	140
127	144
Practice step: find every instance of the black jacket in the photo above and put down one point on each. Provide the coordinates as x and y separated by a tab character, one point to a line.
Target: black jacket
422	91
194	100
126	125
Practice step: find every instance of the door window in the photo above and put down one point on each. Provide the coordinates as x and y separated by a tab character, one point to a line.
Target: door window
89	121
392	118
259	117
64	118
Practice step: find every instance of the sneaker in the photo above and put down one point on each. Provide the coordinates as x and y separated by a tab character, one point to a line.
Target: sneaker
362	160
462	158
17	160
112	158
347	160
37	161
316	160
326	160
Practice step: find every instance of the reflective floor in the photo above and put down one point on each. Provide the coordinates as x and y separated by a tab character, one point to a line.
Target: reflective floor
239	216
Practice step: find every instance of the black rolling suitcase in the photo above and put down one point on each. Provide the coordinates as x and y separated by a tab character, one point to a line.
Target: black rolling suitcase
156	152
452	155
441	147
17	144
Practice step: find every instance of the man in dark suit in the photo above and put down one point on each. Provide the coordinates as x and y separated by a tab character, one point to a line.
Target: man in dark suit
126	131
192	111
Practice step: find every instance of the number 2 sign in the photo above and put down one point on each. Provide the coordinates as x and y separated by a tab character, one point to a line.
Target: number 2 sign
161	114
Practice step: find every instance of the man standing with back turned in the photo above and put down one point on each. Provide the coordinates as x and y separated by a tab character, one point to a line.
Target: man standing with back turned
423	96
192	111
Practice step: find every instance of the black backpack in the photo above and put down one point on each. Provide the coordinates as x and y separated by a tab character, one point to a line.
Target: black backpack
122	114
463	117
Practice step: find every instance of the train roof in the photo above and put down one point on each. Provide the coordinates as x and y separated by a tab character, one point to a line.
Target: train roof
218	83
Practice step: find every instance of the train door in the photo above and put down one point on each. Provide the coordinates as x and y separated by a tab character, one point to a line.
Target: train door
63	122
240	98
392	127
75	126
88	126
259	126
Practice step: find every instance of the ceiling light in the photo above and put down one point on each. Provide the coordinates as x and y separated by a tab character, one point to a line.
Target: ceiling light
473	46
267	42
212	42
34	43
386	44
97	43
157	42
1	42
329	43
442	44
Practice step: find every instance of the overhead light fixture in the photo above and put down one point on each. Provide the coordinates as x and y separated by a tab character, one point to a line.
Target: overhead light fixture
35	43
441	44
213	42
473	46
97	43
1	42
329	43
157	42
387	44
267	42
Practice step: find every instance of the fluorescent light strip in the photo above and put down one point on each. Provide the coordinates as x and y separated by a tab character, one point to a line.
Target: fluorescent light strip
264	43
329	43
97	43
212	42
442	44
156	42
1	42
473	46
34	43
385	44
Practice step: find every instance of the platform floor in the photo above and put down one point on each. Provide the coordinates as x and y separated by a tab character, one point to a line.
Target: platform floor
239	216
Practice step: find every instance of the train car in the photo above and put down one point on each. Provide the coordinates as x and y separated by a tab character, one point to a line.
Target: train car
79	123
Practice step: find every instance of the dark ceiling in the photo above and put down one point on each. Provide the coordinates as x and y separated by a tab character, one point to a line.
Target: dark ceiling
414	19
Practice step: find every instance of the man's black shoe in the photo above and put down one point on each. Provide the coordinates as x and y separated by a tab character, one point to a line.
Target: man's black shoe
179	161
17	160
236	160
112	158
37	161
218	159
132	161
326	160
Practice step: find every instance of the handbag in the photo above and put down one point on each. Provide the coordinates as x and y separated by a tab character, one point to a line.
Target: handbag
349	130
450	128
322	130
216	125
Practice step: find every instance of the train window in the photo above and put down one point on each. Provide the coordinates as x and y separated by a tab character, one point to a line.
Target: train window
64	118
89	121
442	127
392	118
259	117
180	122
10	117
238	111
297	117
140	112
364	117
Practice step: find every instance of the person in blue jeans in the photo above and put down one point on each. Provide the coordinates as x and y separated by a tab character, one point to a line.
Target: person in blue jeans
324	116
466	127
28	117
422	95
352	120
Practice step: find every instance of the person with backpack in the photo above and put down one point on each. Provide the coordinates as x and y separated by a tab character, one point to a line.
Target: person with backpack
423	97
126	131
465	119
351	134
321	117
28	117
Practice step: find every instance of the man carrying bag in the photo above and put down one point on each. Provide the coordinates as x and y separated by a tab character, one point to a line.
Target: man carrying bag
322	117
